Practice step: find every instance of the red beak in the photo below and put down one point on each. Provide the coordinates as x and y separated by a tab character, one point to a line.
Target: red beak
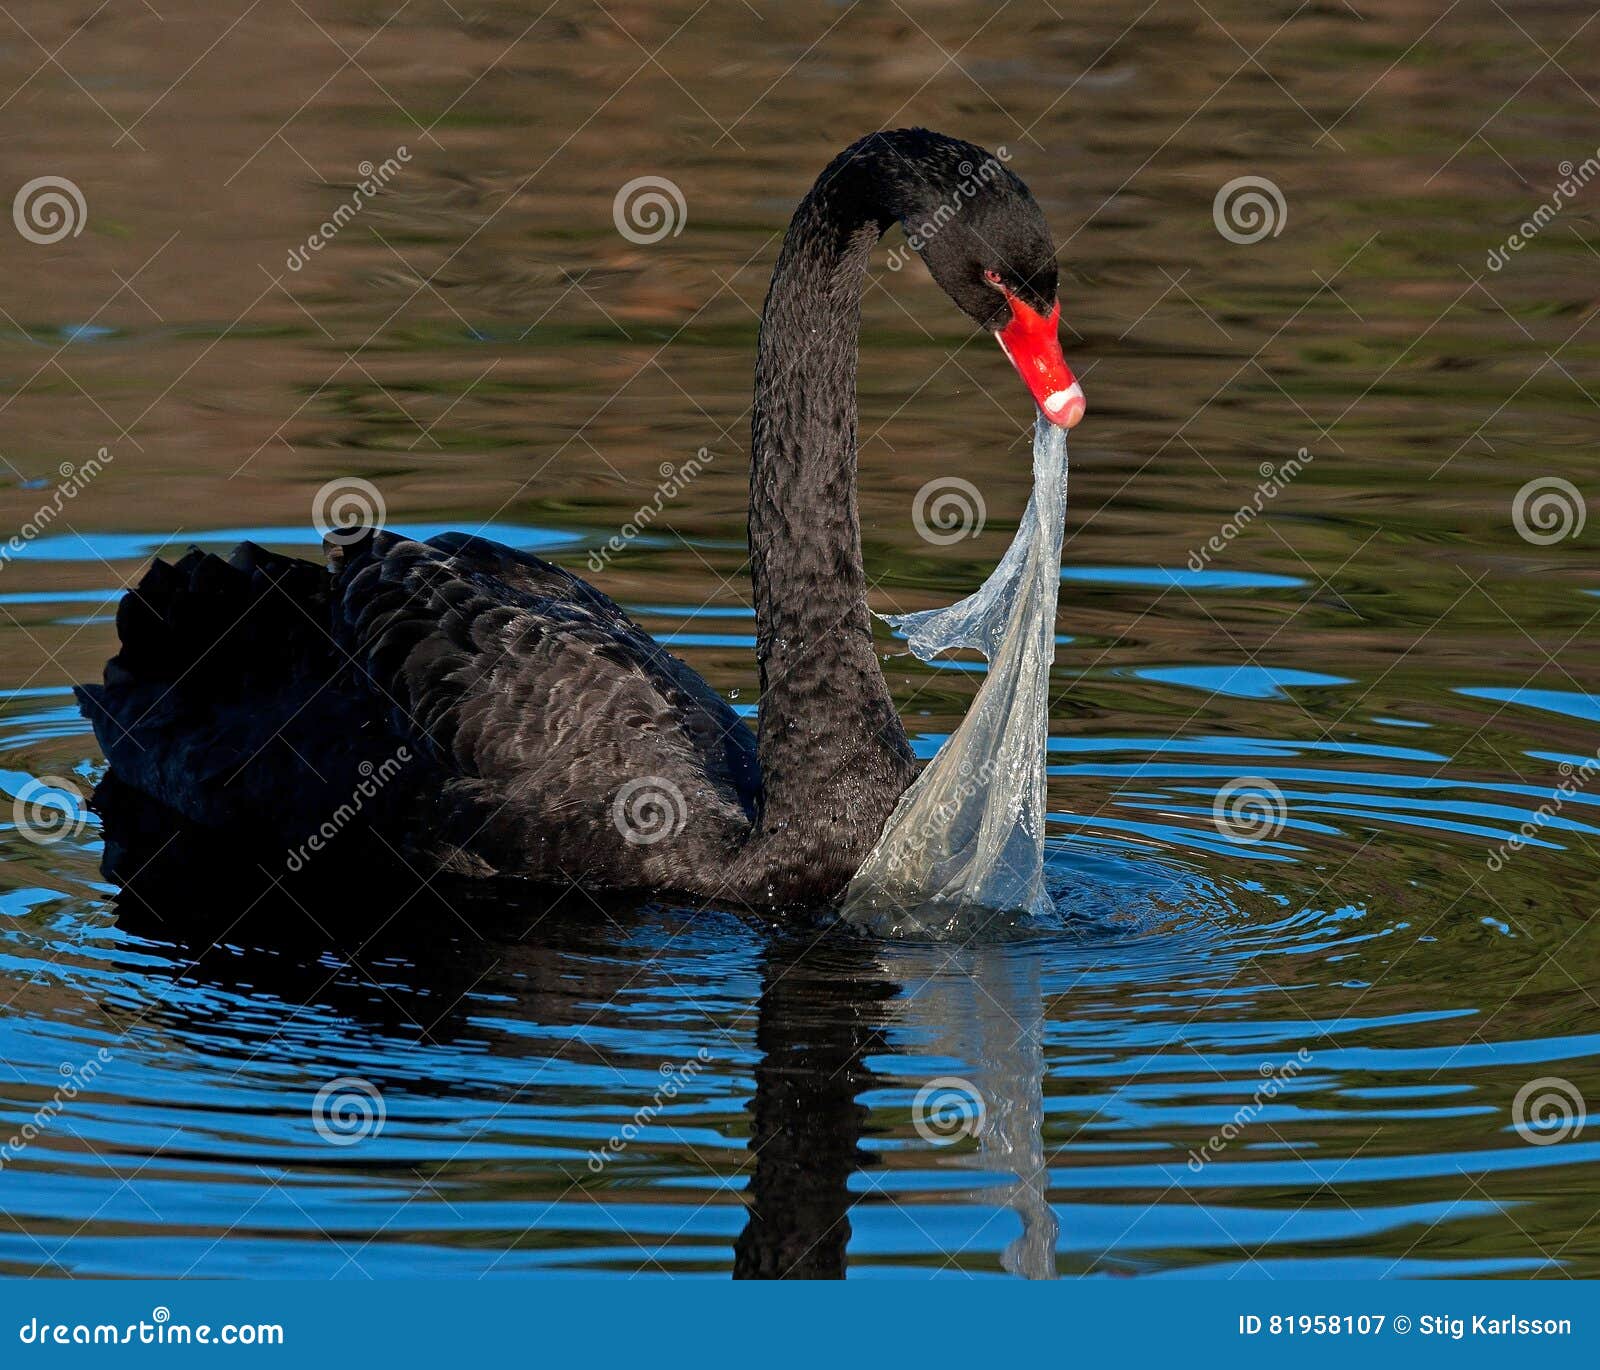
1032	343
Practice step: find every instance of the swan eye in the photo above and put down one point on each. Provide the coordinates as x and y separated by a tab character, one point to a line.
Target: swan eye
991	275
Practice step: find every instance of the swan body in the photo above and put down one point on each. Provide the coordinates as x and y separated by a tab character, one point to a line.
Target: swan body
479	711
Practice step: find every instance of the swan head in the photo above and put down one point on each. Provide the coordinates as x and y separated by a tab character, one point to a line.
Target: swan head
985	241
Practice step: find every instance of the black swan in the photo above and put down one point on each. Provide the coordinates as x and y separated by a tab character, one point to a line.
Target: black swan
488	714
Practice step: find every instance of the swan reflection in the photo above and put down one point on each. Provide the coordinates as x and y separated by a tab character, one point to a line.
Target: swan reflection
815	1148
983	1005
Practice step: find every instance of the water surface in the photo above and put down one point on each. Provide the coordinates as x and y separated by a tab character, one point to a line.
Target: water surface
1287	1041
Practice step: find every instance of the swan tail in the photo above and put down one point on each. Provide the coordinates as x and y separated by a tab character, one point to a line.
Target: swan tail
227	702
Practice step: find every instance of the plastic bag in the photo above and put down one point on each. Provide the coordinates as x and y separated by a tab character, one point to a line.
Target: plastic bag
967	838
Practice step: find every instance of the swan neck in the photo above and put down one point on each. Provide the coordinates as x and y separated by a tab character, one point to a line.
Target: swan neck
834	756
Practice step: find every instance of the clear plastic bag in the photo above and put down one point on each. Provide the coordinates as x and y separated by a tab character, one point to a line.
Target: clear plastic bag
967	838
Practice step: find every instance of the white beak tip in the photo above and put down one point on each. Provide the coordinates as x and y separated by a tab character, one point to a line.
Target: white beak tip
1066	406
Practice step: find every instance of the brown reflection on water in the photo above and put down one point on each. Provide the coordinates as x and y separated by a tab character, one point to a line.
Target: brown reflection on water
481	342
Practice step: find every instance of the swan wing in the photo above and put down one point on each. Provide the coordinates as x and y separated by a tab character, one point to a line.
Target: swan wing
483	711
575	745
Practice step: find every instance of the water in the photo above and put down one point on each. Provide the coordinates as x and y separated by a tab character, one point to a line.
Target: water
1298	1055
